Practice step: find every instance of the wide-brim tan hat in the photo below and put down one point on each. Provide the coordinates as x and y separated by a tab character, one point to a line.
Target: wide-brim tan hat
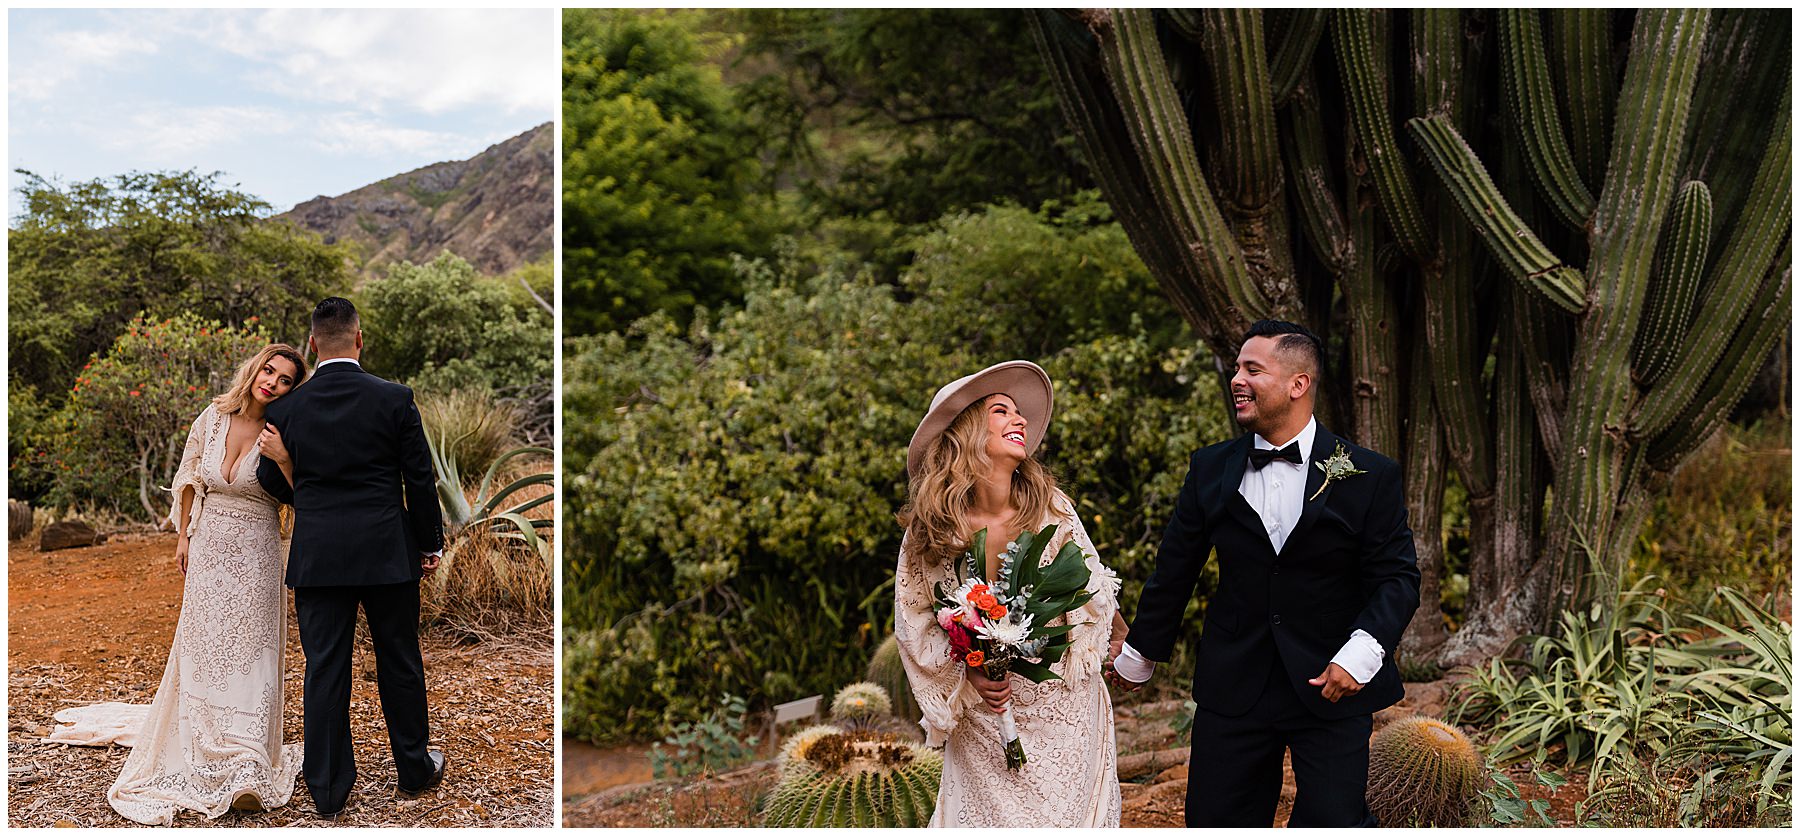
1022	380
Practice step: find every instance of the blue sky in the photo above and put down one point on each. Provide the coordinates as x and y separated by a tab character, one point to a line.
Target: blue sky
288	103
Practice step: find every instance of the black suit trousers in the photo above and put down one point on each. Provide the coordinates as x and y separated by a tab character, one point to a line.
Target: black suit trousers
328	635
1234	768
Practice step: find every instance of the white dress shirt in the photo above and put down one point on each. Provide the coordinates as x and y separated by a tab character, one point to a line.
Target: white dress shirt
1277	493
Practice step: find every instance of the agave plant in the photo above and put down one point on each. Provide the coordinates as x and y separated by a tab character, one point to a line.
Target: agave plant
488	512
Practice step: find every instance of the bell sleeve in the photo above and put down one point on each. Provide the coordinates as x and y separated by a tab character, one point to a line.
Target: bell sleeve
1093	621
187	475
937	679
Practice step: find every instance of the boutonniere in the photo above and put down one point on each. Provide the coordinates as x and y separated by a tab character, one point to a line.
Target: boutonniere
1337	467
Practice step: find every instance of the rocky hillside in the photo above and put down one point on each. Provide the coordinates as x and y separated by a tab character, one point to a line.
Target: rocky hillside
495	209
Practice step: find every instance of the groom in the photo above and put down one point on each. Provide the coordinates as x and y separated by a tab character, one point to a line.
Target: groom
358	449
1317	580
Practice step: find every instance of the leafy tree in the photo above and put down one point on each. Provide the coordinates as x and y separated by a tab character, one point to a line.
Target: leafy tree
907	112
720	475
442	326
84	258
658	170
119	437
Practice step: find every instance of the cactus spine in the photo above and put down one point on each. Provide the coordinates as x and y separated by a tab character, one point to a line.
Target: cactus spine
1423	773
843	778
860	705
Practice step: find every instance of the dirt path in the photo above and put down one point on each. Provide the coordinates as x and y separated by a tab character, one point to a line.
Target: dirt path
90	625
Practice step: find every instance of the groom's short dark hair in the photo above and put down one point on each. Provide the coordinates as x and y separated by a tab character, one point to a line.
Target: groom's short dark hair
334	323
1295	341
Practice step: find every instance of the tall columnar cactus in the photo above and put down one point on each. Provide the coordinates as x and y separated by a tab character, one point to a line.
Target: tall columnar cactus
1518	253
1423	773
885	670
836	778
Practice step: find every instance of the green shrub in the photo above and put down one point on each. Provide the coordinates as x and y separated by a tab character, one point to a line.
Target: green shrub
119	436
659	170
1638	693
1727	520
732	487
442	326
707	746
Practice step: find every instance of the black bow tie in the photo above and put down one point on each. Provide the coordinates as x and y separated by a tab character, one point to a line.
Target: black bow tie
1261	458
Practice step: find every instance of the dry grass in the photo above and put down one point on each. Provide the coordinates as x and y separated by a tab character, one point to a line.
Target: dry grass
490	588
486	428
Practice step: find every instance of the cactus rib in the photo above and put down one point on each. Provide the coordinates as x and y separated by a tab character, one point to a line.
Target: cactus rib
1581	40
1674	280
1532	104
1293	57
1727	295
1513	243
1360	59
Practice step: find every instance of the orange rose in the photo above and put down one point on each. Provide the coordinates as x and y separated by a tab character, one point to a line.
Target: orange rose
986	601
975	658
996	612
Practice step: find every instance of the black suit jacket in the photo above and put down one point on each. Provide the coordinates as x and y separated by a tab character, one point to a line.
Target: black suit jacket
364	492
1348	565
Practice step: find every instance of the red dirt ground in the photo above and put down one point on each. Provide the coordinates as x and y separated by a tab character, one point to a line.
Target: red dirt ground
94	624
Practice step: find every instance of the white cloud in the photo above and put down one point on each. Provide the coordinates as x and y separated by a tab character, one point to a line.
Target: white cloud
420	60
174	135
352	134
39	71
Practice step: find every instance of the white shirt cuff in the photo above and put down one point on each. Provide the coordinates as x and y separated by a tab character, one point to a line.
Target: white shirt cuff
1132	666
1360	657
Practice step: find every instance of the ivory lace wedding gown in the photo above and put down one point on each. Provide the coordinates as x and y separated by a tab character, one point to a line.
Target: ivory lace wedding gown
1071	776
213	732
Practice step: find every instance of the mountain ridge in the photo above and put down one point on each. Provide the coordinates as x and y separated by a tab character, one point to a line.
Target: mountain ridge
495	209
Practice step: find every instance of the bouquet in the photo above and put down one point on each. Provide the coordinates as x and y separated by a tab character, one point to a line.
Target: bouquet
1001	627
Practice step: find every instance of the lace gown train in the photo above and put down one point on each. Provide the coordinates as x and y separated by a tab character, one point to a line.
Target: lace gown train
213	731
1070	778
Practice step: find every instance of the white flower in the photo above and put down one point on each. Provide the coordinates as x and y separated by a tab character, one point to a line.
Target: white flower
1006	632
947	616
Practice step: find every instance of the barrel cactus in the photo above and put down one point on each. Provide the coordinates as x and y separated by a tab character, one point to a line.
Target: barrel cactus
885	670
836	778
860	705
1423	773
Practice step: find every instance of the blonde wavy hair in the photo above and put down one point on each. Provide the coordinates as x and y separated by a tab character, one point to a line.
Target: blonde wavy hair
237	396
935	517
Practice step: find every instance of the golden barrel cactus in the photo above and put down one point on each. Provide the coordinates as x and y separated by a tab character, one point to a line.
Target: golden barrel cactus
836	778
1423	773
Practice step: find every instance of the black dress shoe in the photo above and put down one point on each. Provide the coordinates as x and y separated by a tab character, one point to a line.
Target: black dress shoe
439	763
334	815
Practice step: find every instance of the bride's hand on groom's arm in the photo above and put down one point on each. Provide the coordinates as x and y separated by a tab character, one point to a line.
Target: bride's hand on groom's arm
273	448
994	692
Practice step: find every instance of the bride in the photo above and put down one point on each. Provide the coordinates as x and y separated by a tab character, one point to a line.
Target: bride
970	467
211	739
